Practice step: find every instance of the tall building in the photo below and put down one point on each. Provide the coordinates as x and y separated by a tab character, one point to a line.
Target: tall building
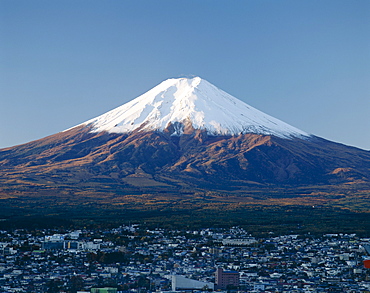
226	278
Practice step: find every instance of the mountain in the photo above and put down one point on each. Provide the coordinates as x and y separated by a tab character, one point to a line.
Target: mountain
183	141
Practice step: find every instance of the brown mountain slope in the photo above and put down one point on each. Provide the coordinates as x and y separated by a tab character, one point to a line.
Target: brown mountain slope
195	159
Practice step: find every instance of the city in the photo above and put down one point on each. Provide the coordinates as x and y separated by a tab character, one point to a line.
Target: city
134	258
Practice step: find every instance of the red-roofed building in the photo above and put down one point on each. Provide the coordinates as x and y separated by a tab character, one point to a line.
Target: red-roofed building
367	263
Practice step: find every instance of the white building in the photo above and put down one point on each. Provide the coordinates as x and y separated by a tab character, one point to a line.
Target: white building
182	283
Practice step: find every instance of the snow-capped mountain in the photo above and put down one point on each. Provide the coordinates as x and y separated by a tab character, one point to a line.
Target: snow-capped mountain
196	102
185	145
183	135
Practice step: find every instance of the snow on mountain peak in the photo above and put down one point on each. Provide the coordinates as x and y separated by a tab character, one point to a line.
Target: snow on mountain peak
194	100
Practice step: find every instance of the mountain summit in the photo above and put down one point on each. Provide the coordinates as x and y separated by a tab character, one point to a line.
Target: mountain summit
177	104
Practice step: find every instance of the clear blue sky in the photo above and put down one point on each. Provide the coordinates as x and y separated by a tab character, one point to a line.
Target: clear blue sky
305	62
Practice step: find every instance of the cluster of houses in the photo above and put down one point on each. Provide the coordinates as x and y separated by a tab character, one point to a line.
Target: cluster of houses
138	259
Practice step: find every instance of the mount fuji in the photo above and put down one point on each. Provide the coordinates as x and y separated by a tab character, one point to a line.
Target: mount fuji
182	139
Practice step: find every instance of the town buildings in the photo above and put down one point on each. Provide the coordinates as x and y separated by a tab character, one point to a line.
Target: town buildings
138	259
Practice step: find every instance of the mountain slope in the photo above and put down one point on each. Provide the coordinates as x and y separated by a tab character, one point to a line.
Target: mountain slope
197	157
